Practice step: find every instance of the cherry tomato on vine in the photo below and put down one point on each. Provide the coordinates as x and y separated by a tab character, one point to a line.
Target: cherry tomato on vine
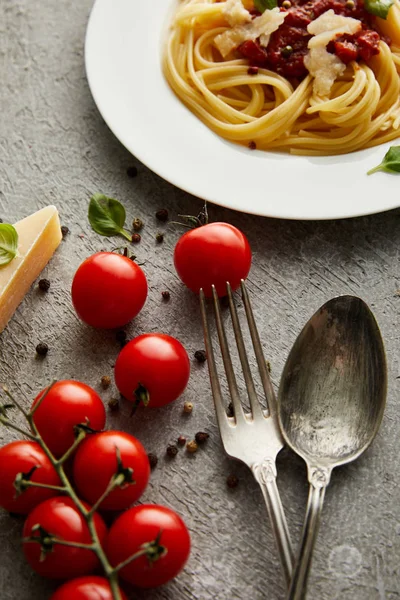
153	369
100	449
60	518
212	254
108	290
86	588
22	457
143	525
67	404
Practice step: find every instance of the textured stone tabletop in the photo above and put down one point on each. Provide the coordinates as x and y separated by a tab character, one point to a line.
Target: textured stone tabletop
55	149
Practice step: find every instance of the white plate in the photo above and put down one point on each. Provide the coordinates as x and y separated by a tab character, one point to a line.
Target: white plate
123	64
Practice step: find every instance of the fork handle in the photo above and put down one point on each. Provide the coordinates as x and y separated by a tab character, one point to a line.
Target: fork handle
265	475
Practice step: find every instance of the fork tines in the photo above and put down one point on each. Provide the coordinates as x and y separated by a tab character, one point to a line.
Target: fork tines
256	408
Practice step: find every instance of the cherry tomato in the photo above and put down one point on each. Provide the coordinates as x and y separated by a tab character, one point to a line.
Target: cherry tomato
155	366
213	254
141	525
91	482
60	518
68	403
86	588
108	290
21	457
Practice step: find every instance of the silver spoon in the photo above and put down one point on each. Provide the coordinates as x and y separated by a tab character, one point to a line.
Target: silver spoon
331	402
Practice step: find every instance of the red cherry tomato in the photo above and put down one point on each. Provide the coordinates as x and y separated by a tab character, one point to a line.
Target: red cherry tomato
108	290
86	588
213	254
60	518
21	457
91	482
155	363
68	403
141	525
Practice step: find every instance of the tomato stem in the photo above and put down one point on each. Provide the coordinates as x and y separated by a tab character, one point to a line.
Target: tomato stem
39	402
11	425
7	393
81	436
45	486
111	486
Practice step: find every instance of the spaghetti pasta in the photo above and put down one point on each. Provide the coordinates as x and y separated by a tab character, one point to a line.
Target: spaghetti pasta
247	102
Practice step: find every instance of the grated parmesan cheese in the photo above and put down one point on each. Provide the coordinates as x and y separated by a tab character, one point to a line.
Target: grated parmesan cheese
260	27
321	64
235	13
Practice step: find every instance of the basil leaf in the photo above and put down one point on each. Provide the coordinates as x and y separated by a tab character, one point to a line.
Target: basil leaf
390	163
263	5
8	243
379	8
107	216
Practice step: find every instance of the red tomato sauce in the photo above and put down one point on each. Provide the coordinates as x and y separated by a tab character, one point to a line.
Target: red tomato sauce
288	45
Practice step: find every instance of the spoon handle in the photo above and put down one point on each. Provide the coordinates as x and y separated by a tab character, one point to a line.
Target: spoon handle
316	495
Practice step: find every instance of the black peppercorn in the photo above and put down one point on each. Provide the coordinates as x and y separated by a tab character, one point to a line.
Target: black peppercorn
232	481
42	349
287	51
105	382
181	440
137	224
172	450
200	356
162	215
44	285
201	437
159	238
132	172
136	237
230	410
113	404
166	295
64	230
153	460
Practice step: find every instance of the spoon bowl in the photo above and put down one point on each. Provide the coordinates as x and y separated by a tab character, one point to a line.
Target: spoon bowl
331	402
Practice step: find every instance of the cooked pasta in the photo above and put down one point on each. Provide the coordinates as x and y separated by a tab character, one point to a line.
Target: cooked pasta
333	89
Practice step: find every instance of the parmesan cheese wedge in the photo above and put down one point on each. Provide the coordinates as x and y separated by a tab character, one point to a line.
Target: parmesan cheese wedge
235	13
321	64
38	237
260	27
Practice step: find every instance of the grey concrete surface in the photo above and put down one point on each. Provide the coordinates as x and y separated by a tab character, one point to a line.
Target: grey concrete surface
55	148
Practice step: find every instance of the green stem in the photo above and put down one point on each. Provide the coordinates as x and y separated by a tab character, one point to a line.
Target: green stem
60	542
17	404
39	402
8	423
81	436
45	486
126	235
111	486
375	169
123	564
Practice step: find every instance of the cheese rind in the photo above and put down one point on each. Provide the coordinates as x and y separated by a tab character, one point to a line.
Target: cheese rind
38	237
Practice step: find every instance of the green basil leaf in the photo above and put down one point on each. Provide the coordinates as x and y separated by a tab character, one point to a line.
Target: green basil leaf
390	163
8	243
263	5
107	216
379	8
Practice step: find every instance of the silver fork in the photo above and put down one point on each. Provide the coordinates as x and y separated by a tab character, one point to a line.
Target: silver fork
254	438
